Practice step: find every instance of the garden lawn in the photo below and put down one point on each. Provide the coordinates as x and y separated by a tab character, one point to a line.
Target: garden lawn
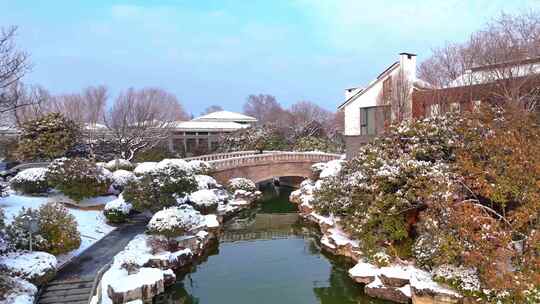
92	223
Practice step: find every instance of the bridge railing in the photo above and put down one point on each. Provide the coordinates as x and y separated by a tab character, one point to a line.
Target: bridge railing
276	156
218	156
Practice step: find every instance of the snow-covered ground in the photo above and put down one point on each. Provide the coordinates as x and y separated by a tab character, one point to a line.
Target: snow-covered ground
92	223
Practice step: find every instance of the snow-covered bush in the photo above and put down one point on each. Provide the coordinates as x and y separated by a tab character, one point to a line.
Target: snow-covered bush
47	137
57	229
117	211
206	182
206	201
120	180
30	181
5	245
159	188
143	168
199	167
379	193
240	183
119	164
313	143
15	290
79	178
175	221
37	267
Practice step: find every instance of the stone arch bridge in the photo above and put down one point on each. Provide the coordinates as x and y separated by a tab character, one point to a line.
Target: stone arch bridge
263	166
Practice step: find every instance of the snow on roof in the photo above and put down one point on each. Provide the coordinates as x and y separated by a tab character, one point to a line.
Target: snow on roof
209	125
226	116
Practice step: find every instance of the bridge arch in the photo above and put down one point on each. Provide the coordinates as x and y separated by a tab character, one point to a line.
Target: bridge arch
259	167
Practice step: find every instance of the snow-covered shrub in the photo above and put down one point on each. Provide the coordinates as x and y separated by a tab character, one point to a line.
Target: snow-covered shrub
312	143
30	181
240	183
205	182
199	167
57	229
15	290
463	279
5	245
79	178
380	192
38	267
206	201
117	211
175	221
47	137
159	188
119	164
120	180
143	168
18	230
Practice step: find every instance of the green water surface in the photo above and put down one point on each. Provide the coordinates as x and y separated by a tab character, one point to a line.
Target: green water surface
276	260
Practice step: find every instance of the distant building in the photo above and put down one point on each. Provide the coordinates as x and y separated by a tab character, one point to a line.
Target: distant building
367	111
202	134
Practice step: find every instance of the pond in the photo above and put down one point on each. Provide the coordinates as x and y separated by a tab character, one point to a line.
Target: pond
267	256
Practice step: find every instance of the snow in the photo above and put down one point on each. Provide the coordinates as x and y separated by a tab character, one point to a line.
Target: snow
225	116
211	221
175	217
87	202
422	281
406	290
119	204
341	238
28	265
122	177
331	168
116	163
363	269
240	183
173	162
204	197
138	251
205	182
377	283
145	276
210	125
329	220
145	167
32	174
92	223
20	291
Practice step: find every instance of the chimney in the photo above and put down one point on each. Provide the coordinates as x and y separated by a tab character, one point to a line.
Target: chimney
407	61
350	92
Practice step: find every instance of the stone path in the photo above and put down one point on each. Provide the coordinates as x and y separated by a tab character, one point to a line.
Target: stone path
73	283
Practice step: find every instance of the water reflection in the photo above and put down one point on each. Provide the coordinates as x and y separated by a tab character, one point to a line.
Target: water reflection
267	258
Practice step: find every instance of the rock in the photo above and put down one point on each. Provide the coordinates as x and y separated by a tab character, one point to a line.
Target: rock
426	291
377	289
364	273
36	267
144	285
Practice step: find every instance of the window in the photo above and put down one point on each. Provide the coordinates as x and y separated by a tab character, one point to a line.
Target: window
373	119
455	107
476	105
434	110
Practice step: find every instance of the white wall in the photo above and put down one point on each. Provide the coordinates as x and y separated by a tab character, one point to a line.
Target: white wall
369	97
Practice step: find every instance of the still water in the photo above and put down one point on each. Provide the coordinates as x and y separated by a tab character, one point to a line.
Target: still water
268	256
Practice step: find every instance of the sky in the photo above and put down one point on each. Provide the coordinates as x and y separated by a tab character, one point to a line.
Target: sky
218	52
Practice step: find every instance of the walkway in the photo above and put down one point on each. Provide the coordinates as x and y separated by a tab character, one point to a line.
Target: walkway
74	282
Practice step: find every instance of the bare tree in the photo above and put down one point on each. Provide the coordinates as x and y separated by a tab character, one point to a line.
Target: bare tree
504	55
306	115
142	119
14	64
212	109
265	108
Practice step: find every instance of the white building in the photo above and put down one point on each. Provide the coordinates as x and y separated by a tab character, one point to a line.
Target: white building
366	109
202	134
